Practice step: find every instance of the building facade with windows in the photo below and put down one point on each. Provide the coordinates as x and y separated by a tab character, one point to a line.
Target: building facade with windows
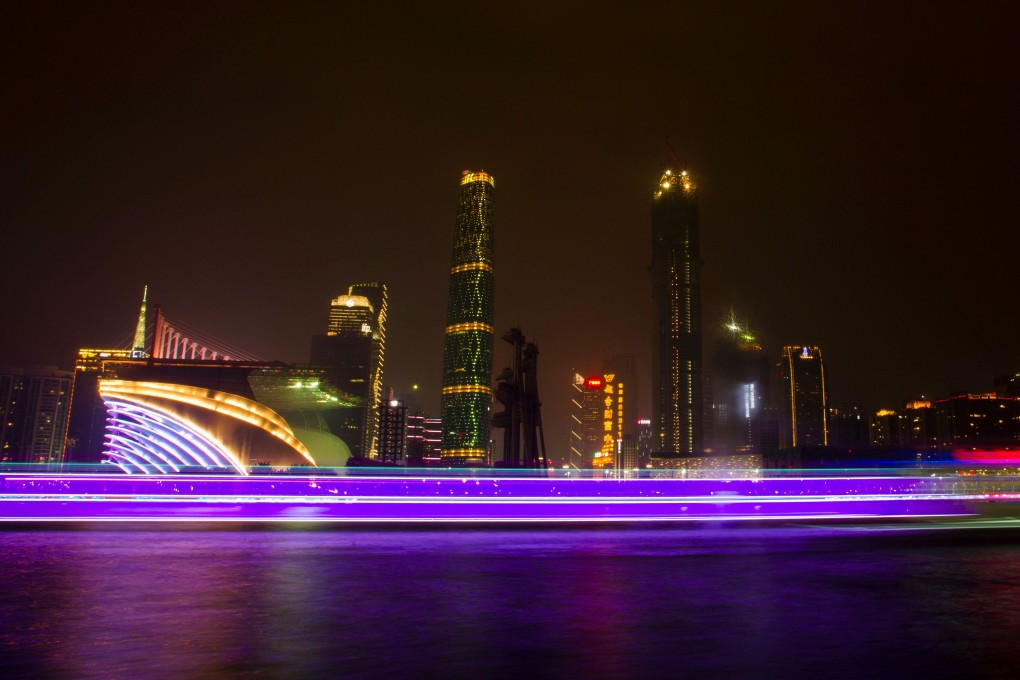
34	405
352	352
803	398
677	401
467	349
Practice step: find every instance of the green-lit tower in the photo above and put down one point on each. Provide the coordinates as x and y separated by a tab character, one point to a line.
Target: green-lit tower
467	351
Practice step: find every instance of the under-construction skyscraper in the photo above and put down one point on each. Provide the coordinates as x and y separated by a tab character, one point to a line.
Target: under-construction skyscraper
467	351
677	410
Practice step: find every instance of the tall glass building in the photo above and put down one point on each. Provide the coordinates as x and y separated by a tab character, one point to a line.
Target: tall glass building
677	411
353	351
467	351
34	405
805	403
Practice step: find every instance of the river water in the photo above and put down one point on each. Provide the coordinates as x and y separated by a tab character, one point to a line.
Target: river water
703	601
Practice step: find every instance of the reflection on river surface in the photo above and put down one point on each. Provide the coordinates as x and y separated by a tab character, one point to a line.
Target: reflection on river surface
705	601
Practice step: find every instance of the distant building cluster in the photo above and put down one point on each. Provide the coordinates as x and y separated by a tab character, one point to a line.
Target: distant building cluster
751	407
177	401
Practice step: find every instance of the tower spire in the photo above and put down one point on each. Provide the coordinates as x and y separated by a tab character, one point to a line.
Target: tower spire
138	346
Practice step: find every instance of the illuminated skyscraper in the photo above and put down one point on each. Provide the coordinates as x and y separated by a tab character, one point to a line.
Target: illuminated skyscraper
393	431
377	294
467	351
34	404
586	416
804	412
352	350
677	410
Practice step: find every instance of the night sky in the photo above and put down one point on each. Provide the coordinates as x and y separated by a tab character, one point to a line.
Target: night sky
857	168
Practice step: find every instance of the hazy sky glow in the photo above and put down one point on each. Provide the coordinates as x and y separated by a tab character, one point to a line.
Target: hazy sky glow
857	172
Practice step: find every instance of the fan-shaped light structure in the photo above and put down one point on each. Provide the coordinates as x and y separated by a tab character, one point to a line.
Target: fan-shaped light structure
144	439
158	428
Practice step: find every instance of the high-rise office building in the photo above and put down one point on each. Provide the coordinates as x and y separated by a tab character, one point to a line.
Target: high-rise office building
393	431
377	294
352	352
12	384
739	379
677	403
432	439
922	424
415	439
599	429
613	398
585	420
888	428
979	420
848	427
423	436
467	351
803	398
34	403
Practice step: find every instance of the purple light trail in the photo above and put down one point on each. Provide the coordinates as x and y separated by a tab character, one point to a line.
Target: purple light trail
396	499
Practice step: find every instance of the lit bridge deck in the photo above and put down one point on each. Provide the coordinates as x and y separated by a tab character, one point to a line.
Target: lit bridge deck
465	498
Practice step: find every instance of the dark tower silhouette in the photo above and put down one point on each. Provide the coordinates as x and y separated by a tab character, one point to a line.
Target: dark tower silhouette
467	351
677	410
521	417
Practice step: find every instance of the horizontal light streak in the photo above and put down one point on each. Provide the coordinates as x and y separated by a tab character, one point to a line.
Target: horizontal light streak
476	500
476	520
396	499
470	326
471	266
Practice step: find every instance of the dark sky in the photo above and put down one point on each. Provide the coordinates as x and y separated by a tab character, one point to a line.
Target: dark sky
857	166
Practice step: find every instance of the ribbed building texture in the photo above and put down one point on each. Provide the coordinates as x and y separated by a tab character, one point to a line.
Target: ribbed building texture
467	351
677	411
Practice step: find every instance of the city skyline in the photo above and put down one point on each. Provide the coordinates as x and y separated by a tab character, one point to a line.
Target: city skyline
825	217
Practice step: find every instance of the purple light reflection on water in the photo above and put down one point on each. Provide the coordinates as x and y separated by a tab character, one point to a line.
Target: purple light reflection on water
626	602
